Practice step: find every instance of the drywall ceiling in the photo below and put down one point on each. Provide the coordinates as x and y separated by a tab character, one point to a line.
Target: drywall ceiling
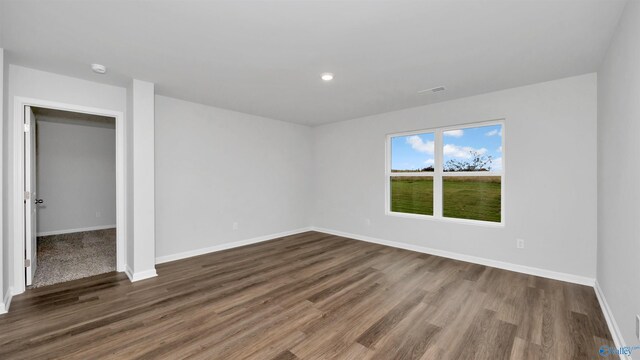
266	57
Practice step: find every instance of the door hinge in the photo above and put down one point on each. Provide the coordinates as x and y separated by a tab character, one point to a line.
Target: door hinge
27	128
27	262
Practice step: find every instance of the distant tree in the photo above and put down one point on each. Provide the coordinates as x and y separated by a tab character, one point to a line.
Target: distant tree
477	162
430	168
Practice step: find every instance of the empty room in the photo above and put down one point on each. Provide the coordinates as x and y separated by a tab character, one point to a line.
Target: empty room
75	201
307	179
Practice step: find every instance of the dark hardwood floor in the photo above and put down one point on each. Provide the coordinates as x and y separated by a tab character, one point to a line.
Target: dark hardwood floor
308	296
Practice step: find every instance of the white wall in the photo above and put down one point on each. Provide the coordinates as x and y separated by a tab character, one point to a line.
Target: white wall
25	82
4	279
76	173
619	173
129	176
143	181
550	137
215	167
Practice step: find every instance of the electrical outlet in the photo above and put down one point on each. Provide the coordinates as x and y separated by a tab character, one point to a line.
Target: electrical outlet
638	327
98	214
236	225
520	243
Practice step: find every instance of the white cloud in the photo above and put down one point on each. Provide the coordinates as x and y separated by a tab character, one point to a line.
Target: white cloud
500	149
454	133
494	132
496	164
418	145
429	161
462	152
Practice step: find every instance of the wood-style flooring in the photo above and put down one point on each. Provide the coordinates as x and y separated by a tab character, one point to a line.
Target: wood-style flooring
308	296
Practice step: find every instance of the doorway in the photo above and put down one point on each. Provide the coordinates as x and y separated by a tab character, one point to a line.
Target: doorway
71	176
87	239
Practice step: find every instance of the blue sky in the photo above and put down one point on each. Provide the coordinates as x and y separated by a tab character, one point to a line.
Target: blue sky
413	152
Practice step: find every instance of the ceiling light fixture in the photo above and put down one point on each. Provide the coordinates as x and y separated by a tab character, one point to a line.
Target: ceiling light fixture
98	69
326	76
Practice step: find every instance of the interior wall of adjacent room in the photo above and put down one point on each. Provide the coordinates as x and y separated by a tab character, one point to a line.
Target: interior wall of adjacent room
30	83
619	174
76	175
550	163
217	167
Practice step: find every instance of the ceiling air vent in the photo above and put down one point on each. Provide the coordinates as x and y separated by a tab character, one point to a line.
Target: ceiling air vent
432	90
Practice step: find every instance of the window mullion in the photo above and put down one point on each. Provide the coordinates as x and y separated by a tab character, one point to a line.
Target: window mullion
437	174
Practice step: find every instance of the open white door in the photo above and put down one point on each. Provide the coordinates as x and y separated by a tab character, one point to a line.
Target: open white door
30	202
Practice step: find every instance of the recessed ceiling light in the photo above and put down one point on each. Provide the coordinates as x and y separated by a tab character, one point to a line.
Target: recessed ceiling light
98	69
327	76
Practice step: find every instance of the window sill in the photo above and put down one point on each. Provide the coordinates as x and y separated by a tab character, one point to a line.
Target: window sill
482	223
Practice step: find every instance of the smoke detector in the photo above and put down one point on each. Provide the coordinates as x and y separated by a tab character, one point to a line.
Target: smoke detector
98	68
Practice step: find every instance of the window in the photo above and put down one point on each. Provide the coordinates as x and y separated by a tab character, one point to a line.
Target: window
412	173
449	173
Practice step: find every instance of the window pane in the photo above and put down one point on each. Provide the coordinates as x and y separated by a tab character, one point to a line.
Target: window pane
472	197
473	149
412	194
412	153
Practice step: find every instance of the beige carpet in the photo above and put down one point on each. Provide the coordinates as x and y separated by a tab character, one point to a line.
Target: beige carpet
73	256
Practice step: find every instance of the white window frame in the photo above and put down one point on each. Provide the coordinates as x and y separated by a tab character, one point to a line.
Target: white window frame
439	173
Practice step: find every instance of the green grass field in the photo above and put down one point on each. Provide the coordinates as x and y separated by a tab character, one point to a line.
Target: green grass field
476	198
412	194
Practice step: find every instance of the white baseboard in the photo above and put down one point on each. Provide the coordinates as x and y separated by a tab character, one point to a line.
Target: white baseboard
129	272
231	245
69	231
618	340
4	305
576	279
140	275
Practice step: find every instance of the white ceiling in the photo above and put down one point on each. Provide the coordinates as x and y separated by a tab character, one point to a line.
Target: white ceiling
266	57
